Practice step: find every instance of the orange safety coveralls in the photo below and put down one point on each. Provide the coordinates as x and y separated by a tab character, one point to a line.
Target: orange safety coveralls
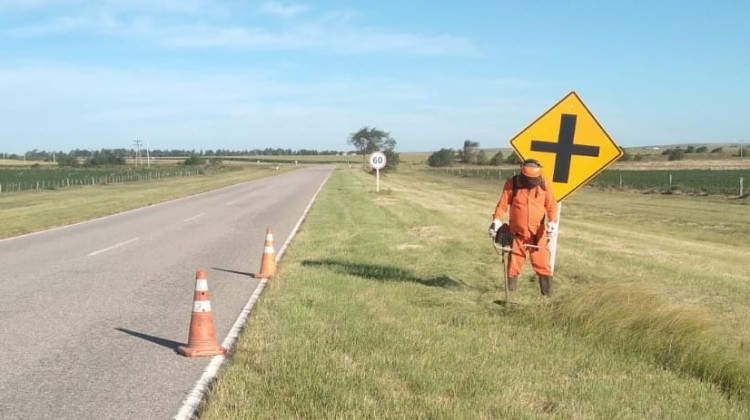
526	220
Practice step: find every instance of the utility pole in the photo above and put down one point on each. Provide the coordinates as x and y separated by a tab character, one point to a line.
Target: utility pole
137	151
148	157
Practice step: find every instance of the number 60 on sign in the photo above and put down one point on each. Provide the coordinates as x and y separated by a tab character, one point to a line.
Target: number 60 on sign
377	162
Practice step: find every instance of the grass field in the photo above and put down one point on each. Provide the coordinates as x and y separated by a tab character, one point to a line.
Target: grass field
390	305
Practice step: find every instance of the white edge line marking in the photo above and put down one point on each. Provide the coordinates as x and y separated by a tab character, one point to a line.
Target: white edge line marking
190	219
194	398
112	247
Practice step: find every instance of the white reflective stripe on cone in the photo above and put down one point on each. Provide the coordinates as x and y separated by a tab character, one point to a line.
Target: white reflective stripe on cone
269	237
201	285
268	250
202	306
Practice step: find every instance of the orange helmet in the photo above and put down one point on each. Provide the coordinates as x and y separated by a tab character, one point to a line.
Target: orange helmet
531	168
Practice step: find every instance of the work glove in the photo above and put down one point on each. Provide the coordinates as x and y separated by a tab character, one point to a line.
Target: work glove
494	227
551	228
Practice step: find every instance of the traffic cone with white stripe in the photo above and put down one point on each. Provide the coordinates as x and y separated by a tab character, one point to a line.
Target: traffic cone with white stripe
202	337
268	263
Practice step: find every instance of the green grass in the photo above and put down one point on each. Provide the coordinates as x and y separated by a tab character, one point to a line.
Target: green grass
390	306
694	181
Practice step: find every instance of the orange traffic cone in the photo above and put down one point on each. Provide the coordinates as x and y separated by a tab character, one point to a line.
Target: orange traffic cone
268	263
202	338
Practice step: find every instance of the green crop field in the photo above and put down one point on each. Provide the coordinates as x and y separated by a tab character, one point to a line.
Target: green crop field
390	305
53	177
692	181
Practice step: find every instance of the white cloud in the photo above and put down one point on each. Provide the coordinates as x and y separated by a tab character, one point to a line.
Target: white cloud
205	24
283	10
341	40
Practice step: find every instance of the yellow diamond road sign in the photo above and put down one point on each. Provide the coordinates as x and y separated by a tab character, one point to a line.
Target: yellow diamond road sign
569	143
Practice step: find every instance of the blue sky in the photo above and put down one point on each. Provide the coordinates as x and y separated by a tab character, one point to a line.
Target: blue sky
208	74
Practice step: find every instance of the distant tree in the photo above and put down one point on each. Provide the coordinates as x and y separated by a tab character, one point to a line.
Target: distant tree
68	160
676	154
194	160
368	140
702	149
469	154
497	159
392	159
106	157
717	150
481	158
441	158
513	159
690	149
626	156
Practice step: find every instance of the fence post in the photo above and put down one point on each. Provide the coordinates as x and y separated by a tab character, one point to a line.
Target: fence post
670	184
742	180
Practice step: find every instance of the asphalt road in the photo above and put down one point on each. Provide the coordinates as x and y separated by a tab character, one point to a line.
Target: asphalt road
91	314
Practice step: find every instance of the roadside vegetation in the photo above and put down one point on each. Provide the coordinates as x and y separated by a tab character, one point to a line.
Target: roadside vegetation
390	305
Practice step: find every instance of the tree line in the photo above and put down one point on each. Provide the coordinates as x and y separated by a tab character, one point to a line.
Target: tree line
470	154
114	157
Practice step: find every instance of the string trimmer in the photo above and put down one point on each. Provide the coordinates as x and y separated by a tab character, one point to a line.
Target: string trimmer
502	243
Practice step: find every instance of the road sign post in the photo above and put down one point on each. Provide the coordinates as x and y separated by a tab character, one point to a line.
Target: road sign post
377	162
571	145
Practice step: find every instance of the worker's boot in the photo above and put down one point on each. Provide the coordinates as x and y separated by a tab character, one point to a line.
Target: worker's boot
512	283
545	284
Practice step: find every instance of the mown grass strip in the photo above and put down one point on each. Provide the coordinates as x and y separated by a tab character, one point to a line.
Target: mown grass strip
387	306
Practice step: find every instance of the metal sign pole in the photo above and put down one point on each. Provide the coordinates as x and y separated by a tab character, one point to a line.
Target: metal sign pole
553	239
377	179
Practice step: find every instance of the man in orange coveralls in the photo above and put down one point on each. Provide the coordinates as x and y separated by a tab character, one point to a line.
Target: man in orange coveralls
529	197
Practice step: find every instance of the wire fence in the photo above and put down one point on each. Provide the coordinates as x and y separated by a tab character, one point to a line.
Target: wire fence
688	181
19	180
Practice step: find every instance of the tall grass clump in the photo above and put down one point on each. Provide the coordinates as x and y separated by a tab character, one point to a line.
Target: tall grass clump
637	318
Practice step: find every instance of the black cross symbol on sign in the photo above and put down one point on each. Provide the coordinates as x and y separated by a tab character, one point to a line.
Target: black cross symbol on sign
564	149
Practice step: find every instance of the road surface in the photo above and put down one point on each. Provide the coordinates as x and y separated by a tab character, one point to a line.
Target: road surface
91	314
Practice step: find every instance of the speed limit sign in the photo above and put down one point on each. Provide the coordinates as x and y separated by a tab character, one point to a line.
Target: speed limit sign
377	160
